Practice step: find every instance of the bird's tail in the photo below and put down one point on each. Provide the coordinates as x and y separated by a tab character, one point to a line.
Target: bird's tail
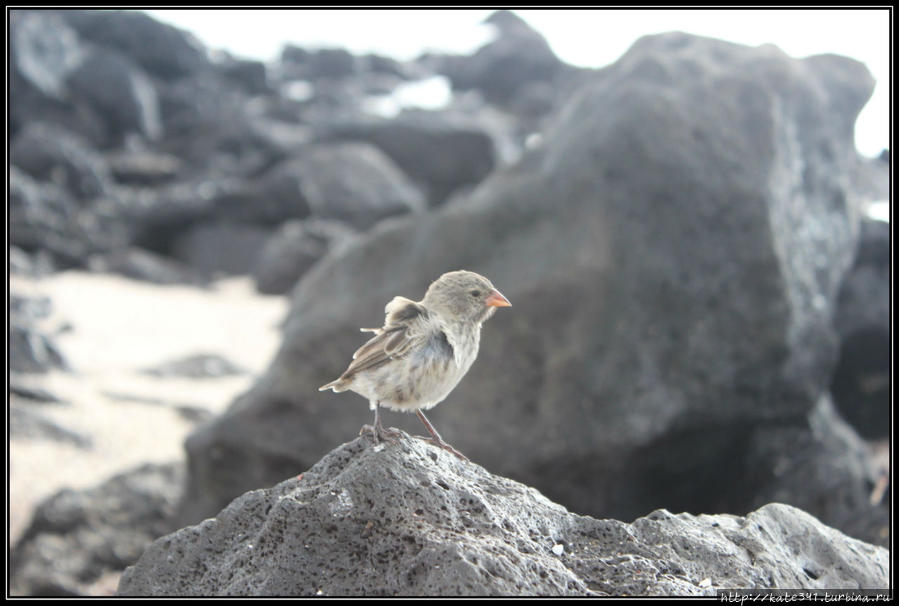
337	385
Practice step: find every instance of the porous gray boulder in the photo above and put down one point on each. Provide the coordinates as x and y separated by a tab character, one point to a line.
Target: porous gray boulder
673	252
408	519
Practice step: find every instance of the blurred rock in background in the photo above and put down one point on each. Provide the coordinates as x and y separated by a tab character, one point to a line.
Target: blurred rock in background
667	264
861	381
680	232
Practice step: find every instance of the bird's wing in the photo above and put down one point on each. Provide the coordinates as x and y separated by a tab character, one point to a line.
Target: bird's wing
398	311
405	327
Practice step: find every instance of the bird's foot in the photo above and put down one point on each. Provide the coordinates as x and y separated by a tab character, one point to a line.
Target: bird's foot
444	446
380	434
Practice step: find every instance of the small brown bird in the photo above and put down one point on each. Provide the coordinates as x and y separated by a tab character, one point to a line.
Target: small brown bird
423	350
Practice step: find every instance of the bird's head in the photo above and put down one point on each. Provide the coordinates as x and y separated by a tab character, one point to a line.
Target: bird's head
464	296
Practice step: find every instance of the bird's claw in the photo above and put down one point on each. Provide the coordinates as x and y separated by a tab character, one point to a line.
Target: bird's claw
444	446
380	434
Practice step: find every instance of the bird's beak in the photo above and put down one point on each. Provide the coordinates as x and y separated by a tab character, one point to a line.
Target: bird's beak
496	299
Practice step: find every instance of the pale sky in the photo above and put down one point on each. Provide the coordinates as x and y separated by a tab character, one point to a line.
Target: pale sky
588	38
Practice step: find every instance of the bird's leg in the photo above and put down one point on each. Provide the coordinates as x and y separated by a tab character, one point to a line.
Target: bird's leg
380	434
435	437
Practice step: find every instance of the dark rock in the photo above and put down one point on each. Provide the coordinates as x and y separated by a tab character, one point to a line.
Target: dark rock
271	200
45	51
27	423
194	414
37	266
246	74
120	92
143	265
294	54
77	536
861	381
218	247
160	215
355	183
40	214
211	125
292	250
352	182
43	217
324	63
386	65
198	366
409	519
673	274
439	151
160	49
502	68
31	394
30	350
30	308
50	153
827	458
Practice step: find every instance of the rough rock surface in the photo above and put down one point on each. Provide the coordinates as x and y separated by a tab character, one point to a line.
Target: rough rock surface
672	251
410	519
77	536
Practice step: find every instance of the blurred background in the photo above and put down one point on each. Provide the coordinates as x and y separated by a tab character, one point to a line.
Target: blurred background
689	211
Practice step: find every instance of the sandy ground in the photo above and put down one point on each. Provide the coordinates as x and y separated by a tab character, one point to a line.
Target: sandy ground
118	327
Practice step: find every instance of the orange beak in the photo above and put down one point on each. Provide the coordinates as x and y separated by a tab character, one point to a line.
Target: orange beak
496	299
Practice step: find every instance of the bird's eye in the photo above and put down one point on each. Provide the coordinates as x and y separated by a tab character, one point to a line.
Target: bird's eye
475	293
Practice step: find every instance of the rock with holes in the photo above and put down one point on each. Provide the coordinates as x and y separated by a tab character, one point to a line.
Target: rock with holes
408	519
